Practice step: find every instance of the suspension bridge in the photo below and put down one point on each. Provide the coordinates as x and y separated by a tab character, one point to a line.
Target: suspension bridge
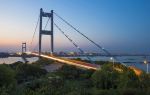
50	32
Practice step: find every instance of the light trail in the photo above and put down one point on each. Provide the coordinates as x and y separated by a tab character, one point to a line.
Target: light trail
82	64
70	62
136	70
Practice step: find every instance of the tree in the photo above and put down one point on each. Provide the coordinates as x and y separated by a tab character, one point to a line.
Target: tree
27	72
129	79
69	72
106	77
144	81
7	75
43	62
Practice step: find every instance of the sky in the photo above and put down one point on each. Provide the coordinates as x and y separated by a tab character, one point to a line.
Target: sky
120	26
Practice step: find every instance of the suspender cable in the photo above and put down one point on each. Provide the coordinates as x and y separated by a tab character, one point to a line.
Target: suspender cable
100	47
83	34
72	42
35	31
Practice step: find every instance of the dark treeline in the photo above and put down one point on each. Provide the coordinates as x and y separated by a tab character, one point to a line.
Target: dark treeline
31	79
4	55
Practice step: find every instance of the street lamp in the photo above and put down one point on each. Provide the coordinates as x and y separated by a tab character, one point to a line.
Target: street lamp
111	58
145	62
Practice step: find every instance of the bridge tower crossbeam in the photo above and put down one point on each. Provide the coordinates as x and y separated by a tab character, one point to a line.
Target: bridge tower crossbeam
46	32
24	49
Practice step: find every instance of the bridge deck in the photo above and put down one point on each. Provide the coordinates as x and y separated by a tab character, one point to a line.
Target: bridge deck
81	64
70	61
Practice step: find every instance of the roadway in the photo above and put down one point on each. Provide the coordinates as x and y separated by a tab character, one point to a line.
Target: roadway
81	64
70	61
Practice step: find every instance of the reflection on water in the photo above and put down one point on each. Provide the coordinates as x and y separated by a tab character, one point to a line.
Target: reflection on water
137	61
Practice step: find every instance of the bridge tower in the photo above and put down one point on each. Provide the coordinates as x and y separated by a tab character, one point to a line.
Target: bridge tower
46	32
24	49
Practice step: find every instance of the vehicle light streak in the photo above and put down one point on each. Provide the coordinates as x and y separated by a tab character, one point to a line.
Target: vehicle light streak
71	62
83	64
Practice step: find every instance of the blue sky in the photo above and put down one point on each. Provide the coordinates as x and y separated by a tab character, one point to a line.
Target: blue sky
118	25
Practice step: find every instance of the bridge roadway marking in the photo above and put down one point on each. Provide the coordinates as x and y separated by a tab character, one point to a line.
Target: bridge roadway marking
82	64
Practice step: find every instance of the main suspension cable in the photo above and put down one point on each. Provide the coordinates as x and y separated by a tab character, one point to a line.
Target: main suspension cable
100	47
34	32
72	41
83	34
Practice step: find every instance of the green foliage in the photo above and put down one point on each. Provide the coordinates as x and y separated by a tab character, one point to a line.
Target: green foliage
3	91
106	78
132	91
101	62
129	80
43	62
26	72
79	59
72	72
144	81
69	72
70	80
14	65
105	92
7	75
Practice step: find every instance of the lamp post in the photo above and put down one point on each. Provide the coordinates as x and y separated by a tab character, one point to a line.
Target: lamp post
111	58
145	62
